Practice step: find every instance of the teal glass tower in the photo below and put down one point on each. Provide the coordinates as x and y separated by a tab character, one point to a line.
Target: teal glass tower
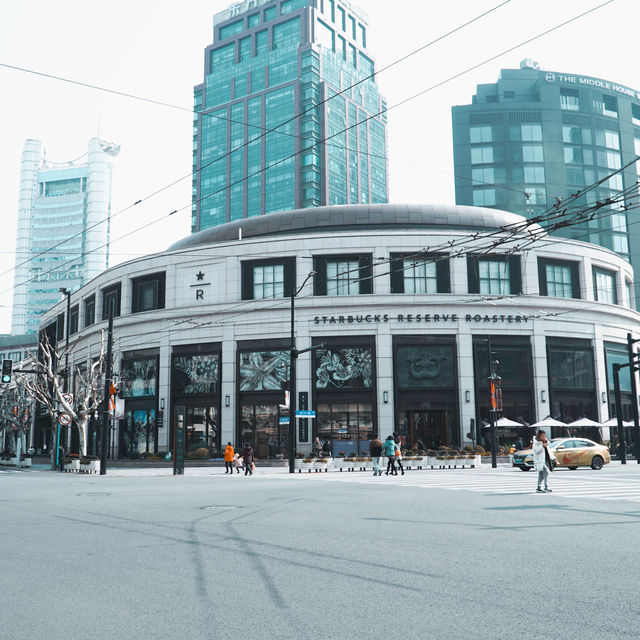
270	132
537	136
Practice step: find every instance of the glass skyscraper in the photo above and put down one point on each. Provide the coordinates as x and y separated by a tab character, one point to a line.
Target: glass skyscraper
278	64
535	137
63	228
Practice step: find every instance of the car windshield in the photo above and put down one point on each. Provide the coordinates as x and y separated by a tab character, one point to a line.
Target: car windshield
556	441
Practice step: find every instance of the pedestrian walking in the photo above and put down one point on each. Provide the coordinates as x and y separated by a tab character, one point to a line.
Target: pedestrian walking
247	459
237	462
389	450
542	460
375	451
228	458
398	454
317	447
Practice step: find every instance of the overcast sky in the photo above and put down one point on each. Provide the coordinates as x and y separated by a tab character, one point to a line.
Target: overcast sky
155	49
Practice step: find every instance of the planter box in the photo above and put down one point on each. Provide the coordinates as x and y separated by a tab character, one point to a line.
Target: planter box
92	467
73	466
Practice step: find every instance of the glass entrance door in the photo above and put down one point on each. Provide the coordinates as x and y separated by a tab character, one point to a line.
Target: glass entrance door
428	429
202	430
260	427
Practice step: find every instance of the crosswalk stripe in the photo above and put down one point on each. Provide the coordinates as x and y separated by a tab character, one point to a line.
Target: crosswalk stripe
501	482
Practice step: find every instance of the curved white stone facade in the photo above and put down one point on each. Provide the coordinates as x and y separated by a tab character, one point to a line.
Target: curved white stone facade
204	312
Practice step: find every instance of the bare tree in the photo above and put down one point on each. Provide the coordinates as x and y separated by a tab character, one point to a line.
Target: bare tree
15	411
46	386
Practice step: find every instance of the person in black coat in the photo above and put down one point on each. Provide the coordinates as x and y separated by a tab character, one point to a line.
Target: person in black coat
247	458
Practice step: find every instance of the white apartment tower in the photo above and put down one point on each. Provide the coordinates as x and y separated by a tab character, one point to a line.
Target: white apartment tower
63	227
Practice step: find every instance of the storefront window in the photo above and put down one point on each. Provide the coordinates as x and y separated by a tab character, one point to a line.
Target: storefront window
260	427
571	368
344	368
347	425
138	433
263	370
202	430
139	377
195	374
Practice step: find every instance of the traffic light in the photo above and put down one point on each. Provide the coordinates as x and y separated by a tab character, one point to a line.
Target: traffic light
7	366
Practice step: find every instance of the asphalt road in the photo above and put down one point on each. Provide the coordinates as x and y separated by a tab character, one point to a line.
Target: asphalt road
434	554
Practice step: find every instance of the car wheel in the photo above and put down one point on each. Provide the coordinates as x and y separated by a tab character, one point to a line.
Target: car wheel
573	468
597	463
525	468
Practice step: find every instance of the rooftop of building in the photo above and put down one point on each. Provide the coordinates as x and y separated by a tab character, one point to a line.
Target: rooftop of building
356	217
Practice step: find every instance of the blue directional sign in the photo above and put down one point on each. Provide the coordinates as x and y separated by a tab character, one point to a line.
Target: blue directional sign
284	421
305	414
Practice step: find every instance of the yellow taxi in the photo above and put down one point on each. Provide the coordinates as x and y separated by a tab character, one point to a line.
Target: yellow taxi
569	452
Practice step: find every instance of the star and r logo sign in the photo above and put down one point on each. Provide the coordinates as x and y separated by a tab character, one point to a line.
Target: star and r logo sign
199	285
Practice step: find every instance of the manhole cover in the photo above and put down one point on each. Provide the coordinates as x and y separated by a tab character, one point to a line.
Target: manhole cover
96	493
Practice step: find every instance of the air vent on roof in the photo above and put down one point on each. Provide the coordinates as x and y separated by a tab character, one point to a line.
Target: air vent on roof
525	116
483	118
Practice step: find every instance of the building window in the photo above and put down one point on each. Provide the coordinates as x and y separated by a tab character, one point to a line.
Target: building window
494	275
559	279
604	285
635	114
569	99
148	293
263	279
571	135
480	134
268	281
343	275
481	155
484	197
610	106
532	153
111	301
533	174
419	273
89	311
74	317
573	155
420	276
531	132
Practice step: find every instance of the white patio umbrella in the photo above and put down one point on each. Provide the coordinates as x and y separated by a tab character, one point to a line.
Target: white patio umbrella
506	422
584	422
548	422
613	422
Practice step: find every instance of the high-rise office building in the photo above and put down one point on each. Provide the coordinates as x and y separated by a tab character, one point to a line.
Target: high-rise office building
63	228
276	66
537	136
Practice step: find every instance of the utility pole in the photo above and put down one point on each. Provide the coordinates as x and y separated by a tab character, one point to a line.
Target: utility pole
616	390
633	365
104	441
293	356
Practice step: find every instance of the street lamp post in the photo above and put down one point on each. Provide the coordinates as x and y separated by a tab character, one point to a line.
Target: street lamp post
293	356
65	383
66	346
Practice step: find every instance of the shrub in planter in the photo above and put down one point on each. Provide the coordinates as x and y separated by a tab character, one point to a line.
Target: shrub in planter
199	454
88	459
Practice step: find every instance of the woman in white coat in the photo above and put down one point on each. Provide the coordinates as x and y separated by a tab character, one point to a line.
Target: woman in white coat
542	460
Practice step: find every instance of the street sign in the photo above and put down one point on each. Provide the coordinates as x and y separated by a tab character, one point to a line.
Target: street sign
64	419
283	421
305	414
68	398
